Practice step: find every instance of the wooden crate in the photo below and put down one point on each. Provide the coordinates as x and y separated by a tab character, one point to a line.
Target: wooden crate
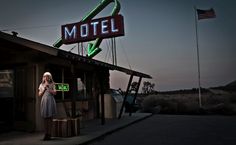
66	127
75	126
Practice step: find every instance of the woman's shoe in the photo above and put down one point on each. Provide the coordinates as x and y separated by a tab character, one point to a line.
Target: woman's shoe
47	137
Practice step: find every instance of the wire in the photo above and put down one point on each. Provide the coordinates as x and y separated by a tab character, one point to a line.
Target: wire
115	57
112	50
126	56
72	48
108	47
31	27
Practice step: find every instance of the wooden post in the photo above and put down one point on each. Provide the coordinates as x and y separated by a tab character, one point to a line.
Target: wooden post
126	94
102	98
135	95
74	92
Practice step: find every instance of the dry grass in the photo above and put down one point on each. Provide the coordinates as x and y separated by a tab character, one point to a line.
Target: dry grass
212	103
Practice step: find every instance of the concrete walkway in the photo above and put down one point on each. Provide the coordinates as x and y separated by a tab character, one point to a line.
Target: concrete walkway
90	131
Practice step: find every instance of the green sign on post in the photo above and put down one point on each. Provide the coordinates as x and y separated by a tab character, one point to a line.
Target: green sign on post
62	87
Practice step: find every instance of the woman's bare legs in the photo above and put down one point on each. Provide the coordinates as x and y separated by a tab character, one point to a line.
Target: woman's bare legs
48	128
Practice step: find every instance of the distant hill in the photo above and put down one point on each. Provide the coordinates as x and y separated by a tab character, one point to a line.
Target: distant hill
184	91
229	87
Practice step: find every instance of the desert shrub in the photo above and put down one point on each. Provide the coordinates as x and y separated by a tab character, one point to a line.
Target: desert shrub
233	98
149	103
214	99
170	107
166	104
222	109
188	104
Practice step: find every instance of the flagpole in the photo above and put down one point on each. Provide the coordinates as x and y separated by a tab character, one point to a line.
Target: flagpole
198	62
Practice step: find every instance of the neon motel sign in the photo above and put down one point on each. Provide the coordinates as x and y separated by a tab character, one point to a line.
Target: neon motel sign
106	27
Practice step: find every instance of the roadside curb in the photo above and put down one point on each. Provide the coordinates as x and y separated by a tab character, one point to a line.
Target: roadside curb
102	135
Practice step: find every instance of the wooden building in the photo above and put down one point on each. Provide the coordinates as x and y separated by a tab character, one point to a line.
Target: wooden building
22	64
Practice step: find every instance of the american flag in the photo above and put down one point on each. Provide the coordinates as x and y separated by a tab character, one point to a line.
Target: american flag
206	14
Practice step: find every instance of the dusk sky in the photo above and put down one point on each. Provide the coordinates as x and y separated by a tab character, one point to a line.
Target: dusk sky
160	38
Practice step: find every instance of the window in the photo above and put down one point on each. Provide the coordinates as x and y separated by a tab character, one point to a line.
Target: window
81	89
6	83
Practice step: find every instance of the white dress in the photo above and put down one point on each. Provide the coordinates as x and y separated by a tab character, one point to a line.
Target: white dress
48	103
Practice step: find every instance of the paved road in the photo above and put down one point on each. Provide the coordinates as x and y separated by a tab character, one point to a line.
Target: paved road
176	130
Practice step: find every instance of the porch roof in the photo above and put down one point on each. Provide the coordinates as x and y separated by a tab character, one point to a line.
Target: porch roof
67	55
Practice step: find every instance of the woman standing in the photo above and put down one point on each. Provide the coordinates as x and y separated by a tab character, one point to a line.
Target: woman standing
48	104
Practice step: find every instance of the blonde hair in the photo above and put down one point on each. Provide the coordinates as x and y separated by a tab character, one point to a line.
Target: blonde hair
49	75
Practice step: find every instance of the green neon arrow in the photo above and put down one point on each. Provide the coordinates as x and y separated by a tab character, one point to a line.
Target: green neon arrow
93	48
